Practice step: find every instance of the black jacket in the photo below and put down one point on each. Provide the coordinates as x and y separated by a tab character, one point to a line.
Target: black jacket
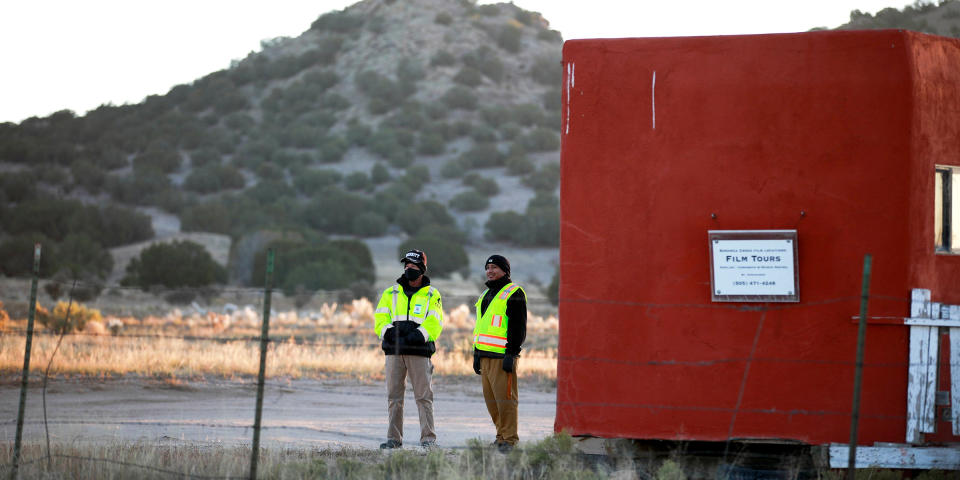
516	317
404	338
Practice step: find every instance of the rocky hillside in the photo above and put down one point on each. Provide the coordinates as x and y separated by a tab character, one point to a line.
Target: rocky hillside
415	120
934	17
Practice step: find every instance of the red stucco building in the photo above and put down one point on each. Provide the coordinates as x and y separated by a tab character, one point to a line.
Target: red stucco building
848	138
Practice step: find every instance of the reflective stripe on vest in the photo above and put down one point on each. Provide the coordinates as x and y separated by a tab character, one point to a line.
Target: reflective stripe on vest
415	317
490	331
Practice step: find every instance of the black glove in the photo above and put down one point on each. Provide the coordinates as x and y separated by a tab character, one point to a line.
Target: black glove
414	338
389	338
509	363
476	362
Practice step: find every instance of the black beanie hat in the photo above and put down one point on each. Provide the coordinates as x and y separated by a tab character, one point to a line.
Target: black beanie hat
500	261
416	257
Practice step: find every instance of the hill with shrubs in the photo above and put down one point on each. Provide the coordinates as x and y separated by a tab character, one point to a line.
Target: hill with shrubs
435	122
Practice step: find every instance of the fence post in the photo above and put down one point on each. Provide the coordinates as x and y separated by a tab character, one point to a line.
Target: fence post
32	310
264	339
858	374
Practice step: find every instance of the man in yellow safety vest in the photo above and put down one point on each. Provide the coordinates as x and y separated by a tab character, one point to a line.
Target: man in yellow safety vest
498	335
408	320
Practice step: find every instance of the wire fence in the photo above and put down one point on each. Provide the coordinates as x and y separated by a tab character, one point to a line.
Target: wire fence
315	327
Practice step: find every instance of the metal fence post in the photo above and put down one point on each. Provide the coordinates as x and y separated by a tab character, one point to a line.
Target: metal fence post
32	311
858	374
264	339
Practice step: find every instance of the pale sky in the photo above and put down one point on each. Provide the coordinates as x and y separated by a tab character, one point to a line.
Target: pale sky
78	55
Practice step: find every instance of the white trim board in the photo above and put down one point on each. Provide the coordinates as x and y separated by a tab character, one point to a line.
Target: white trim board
940	458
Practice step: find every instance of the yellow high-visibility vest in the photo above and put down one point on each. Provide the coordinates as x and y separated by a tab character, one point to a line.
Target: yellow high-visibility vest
423	308
490	331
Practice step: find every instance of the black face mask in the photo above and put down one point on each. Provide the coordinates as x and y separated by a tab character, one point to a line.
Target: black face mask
412	274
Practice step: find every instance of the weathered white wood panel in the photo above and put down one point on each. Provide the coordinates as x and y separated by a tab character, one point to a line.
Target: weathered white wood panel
921	386
920	303
955	371
897	457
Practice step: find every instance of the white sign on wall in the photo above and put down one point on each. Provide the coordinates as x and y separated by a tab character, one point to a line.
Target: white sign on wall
754	266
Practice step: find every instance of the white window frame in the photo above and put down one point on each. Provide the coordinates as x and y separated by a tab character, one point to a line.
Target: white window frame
946	211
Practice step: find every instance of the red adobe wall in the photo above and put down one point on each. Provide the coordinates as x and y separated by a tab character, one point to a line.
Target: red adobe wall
754	129
935	65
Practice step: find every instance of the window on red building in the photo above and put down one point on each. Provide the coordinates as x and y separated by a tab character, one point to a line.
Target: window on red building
947	209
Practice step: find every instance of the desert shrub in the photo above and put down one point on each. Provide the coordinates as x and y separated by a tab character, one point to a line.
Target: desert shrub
443	18
331	149
547	70
174	265
79	254
546	178
214	178
269	191
469	201
487	61
496	115
4	318
431	144
459	97
519	165
553	100
444	256
358	134
510	131
551	36
240	122
509	38
205	156
369	224
206	217
553	290
540	140
88	176
121	226
379	174
270	171
454	168
538	226
356	181
415	217
67	317
334	101
337	22
415	177
409	71
442	58
469	77
489	10
16	255
384	93
483	134
160	156
483	155
316	265
18	186
503	226
486	186
310	182
333	210
141	188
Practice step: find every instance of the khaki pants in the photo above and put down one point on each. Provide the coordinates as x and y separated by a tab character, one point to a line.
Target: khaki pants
421	371
502	396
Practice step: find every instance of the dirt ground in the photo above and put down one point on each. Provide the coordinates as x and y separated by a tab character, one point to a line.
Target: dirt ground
300	413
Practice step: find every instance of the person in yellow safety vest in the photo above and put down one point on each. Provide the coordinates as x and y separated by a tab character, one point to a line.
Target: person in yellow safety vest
408	320
498	335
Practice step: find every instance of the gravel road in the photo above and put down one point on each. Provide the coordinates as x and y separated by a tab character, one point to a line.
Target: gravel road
299	413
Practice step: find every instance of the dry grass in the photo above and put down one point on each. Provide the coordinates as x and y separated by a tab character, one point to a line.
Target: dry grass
335	341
